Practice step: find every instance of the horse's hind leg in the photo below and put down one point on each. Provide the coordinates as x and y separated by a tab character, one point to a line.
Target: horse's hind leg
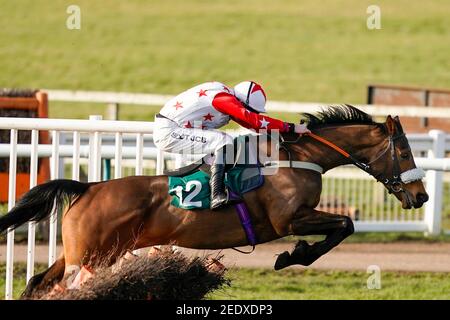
44	281
313	222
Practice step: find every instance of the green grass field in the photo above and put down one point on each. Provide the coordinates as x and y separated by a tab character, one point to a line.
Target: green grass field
20	272
295	284
300	51
308	284
306	51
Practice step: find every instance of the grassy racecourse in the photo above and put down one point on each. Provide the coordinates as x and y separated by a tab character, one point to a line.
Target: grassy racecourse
308	284
332	285
307	51
299	50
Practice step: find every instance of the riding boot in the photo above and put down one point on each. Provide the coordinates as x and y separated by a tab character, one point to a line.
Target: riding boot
219	194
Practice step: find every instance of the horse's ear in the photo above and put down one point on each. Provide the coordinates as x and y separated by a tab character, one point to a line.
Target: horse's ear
398	124
390	124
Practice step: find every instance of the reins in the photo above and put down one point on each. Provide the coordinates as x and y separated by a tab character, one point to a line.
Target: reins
328	143
393	184
358	163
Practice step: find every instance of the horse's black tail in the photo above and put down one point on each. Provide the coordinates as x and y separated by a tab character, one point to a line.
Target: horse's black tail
37	204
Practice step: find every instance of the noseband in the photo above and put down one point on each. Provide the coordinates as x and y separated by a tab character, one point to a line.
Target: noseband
394	183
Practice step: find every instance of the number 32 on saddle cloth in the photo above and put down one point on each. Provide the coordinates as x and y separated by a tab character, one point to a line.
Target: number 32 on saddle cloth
192	191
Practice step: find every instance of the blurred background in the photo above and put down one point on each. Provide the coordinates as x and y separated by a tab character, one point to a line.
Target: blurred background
307	52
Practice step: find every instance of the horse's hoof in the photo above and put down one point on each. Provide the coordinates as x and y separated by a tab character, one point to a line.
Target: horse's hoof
282	261
302	246
301	253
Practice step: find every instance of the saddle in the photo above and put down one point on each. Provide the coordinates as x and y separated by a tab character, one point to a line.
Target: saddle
189	186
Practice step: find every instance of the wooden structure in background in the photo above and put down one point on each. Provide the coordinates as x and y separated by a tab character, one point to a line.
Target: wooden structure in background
412	96
24	104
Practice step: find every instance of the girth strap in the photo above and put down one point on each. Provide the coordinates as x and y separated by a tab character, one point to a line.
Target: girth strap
295	164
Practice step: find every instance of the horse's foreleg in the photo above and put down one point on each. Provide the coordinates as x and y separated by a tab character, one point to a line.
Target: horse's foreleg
313	222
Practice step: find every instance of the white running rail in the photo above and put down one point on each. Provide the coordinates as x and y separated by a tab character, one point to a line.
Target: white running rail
95	128
114	98
132	140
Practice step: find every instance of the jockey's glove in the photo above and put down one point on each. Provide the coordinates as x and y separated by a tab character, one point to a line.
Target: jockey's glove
299	128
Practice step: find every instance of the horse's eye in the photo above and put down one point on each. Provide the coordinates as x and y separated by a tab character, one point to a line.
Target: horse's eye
405	155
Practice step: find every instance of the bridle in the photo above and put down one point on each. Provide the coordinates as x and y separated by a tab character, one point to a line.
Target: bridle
393	183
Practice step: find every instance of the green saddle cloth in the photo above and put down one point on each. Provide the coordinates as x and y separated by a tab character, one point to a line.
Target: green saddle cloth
193	192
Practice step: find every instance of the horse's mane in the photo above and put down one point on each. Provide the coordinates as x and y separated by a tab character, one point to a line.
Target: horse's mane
344	114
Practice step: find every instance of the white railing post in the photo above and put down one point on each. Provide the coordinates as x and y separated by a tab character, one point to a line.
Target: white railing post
94	153
139	153
53	221
138	170
434	185
11	203
33	182
118	156
113	111
160	162
160	171
76	156
61	160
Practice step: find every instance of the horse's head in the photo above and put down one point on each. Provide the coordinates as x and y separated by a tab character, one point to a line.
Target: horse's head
396	169
380	149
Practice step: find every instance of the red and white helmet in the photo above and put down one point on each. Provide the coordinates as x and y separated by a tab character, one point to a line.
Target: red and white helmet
251	95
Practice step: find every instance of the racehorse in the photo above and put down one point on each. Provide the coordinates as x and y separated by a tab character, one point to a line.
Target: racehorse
135	212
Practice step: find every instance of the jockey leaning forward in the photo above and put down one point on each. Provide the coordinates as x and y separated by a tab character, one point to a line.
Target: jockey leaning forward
190	121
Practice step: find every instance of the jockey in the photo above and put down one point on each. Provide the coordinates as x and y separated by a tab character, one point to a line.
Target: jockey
188	123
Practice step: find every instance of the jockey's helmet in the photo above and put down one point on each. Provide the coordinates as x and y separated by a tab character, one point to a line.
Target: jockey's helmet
252	95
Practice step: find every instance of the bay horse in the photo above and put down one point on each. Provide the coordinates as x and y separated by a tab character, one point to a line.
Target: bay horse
135	212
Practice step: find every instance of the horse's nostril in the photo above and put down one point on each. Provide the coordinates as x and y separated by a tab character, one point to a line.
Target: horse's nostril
422	197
